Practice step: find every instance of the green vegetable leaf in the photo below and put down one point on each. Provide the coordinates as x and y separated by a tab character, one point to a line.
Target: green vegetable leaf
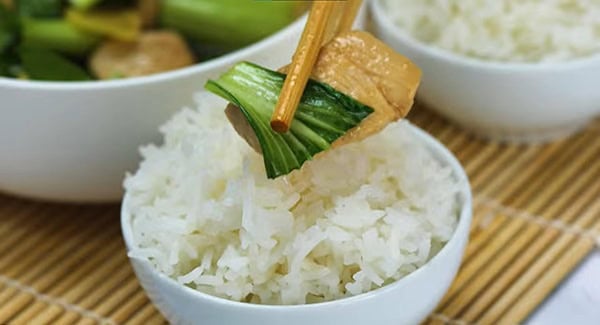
57	35
228	24
9	65
9	36
84	4
39	8
42	64
9	28
88	4
323	115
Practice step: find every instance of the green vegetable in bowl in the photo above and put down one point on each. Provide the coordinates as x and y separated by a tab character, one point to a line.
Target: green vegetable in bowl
9	34
9	65
89	4
41	64
57	35
323	115
9	28
84	4
76	34
39	8
228	23
122	25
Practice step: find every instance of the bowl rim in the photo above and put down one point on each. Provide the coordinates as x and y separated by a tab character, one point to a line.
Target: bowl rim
379	17
440	153
223	60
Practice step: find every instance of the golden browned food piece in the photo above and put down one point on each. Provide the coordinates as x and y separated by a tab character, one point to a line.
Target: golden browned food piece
148	11
359	65
153	52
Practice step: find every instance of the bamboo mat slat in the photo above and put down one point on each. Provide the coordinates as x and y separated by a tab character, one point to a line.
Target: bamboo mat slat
536	217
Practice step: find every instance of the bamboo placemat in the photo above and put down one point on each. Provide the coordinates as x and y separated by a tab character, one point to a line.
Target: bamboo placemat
536	216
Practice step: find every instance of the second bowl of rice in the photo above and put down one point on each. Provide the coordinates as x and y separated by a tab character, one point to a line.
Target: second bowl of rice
524	71
372	232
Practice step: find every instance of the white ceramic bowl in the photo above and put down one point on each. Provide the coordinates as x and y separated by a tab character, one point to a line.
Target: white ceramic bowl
74	141
504	101
407	301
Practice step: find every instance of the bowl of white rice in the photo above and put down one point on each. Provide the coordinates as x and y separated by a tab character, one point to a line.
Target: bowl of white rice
371	232
523	71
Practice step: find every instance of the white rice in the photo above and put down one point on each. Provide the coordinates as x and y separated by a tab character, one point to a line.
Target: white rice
503	30
355	219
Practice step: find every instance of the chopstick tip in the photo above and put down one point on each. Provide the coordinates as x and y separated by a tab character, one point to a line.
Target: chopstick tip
279	126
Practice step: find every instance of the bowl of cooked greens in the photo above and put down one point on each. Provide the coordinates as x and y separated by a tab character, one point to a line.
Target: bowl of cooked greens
85	82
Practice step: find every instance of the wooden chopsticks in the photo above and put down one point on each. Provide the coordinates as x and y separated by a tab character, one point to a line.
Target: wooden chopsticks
320	20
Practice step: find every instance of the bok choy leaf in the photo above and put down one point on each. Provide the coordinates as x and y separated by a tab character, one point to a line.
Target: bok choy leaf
323	115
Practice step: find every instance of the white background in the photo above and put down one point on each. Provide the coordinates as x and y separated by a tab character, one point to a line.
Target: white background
576	301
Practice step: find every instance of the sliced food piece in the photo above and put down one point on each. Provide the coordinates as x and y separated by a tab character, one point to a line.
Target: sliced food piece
84	4
56	35
122	25
323	116
153	52
361	66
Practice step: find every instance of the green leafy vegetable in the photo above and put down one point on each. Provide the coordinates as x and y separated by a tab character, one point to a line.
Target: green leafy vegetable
9	28
39	8
9	65
84	4
88	4
42	64
57	35
228	23
9	34
323	115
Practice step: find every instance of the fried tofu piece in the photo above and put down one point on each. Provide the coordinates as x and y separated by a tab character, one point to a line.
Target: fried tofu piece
364	68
